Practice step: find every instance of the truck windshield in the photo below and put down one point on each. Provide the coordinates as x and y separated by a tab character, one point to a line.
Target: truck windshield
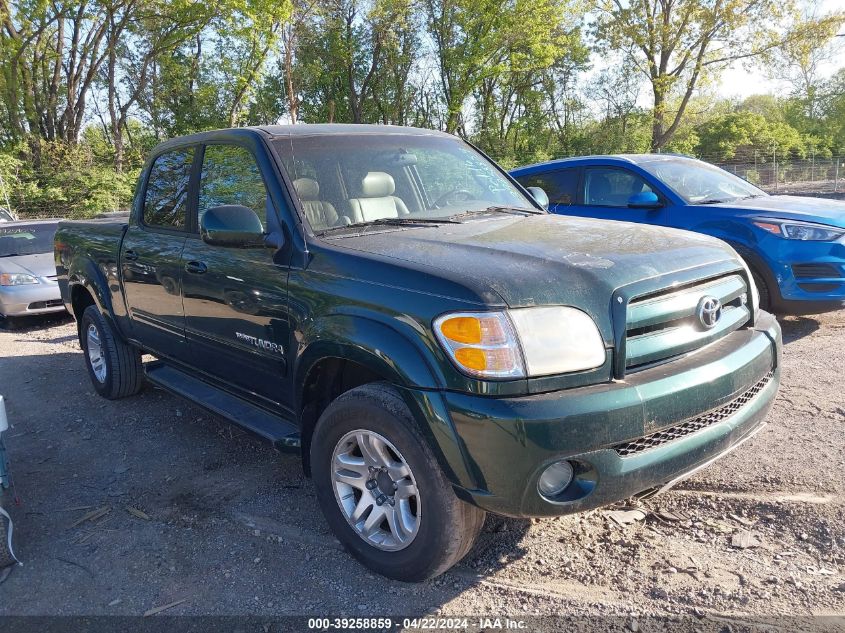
360	179
699	183
26	239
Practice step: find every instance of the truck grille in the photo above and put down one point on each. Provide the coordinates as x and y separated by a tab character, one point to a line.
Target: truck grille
660	327
692	425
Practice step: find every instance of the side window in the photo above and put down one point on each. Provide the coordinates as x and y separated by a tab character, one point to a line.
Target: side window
230	175
608	187
166	200
559	185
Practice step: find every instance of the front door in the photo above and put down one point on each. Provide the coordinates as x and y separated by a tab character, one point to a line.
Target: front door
151	254
605	192
235	299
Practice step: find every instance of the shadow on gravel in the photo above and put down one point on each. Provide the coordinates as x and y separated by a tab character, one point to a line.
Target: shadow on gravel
150	500
35	322
797	327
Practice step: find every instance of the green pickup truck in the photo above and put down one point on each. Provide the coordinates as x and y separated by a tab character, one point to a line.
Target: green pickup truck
391	304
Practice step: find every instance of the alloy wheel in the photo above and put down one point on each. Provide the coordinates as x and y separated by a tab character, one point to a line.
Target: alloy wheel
376	490
95	353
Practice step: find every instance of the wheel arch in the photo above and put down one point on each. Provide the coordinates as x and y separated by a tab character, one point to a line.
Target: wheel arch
342	352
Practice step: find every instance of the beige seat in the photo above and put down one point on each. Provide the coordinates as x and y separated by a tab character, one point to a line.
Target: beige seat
320	214
377	200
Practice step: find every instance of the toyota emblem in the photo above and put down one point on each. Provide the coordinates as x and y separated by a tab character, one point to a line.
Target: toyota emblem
709	311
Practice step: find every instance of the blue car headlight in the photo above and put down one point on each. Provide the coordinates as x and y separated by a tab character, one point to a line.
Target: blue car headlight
806	231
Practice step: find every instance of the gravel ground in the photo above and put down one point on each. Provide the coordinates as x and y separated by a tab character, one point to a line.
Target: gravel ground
130	505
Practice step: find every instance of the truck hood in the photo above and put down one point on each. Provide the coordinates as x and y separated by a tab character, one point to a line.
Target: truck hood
545	259
806	209
39	264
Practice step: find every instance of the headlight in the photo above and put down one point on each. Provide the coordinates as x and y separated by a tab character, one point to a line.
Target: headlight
520	343
800	230
16	279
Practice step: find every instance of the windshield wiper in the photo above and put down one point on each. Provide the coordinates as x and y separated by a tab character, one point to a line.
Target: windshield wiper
498	209
11	255
391	222
712	201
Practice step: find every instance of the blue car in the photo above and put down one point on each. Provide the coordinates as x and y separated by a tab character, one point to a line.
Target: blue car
795	247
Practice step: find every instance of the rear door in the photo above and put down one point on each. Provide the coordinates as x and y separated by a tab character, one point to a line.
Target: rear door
604	193
236	298
151	255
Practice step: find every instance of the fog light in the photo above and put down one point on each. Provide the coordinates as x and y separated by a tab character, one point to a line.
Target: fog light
555	479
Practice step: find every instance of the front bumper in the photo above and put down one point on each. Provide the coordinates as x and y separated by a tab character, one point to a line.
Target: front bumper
808	277
506	443
40	298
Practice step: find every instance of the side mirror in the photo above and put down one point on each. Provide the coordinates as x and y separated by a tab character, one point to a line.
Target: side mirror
644	200
540	196
231	225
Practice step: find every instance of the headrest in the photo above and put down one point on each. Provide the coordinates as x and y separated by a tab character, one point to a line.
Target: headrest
377	184
307	188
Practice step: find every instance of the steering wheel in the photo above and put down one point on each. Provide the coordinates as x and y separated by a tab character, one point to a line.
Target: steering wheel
453	196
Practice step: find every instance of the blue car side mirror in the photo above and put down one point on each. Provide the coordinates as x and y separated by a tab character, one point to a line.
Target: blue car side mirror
644	200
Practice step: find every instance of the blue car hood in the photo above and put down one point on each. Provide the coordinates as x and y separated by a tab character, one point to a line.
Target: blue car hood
806	209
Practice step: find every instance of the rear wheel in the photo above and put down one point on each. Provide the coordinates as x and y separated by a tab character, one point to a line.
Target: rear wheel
382	491
114	366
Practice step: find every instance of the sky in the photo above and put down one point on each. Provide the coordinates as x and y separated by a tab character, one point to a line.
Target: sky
741	82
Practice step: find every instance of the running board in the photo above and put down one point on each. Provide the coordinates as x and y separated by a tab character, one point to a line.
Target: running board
282	433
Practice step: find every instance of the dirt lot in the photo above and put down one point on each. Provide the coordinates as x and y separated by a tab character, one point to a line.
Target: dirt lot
194	510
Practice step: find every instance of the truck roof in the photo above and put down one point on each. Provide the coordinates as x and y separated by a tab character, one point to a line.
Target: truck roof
304	129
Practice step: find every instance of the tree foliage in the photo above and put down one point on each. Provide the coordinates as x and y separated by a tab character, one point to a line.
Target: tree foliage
87	87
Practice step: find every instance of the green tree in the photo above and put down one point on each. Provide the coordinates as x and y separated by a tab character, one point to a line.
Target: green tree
678	44
478	40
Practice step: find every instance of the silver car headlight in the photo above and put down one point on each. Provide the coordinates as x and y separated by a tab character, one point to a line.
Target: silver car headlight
520	343
794	230
17	279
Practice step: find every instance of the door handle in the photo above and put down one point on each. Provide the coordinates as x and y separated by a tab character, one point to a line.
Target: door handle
197	268
130	255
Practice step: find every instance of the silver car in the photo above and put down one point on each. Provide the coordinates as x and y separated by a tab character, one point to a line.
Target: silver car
27	271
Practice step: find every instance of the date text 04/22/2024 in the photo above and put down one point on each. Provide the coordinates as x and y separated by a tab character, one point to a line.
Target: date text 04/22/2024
423	624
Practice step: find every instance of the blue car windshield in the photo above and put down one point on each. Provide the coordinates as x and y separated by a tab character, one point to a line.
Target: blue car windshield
699	183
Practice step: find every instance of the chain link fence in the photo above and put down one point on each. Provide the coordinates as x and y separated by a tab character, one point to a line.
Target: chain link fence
810	176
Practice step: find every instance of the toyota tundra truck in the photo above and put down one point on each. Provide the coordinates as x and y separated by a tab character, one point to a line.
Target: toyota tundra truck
393	306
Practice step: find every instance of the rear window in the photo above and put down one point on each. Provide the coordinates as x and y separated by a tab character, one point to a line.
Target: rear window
560	186
26	239
166	200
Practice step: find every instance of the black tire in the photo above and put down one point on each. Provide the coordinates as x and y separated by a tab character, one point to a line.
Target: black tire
124	373
9	323
447	527
6	557
762	289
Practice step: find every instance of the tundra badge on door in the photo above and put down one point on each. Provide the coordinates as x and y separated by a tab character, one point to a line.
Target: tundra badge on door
270	346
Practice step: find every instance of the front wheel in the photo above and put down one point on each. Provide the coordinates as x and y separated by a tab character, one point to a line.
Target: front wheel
114	366
763	290
383	492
